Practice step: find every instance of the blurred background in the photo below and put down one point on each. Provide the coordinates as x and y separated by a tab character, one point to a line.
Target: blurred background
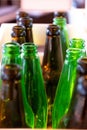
40	12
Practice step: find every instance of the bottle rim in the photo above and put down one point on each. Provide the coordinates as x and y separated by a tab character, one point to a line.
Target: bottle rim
77	43
73	51
11	47
59	20
28	47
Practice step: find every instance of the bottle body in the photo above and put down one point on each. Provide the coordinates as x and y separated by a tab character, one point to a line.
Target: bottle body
11	105
65	86
61	22
34	84
79	99
52	64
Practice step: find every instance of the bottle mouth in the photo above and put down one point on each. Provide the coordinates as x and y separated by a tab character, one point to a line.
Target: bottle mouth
74	53
11	47
28	47
18	30
77	43
53	30
26	21
59	20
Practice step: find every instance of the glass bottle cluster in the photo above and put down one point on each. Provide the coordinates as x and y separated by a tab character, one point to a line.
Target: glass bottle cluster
34	95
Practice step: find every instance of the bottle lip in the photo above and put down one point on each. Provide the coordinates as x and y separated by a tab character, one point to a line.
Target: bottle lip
21	14
26	21
18	30
11	47
28	47
59	20
53	30
73	50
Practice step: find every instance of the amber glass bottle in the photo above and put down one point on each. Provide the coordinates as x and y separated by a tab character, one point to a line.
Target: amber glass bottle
11	103
78	109
21	14
52	64
27	22
18	34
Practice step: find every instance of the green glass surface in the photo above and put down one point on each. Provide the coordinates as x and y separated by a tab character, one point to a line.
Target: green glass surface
77	43
34	84
11	53
61	22
65	87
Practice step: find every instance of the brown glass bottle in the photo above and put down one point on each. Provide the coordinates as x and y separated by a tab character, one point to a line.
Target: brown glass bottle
11	105
78	109
18	34
52	64
21	14
27	22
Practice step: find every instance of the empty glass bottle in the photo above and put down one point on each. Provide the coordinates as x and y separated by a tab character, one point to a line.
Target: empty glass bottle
78	109
52	64
11	53
27	22
61	22
18	34
34	84
21	14
11	103
65	88
77	43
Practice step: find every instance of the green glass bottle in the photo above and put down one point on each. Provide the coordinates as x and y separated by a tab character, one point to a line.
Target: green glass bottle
27	22
77	43
11	103
78	109
18	34
61	22
34	84
11	53
65	87
52	65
